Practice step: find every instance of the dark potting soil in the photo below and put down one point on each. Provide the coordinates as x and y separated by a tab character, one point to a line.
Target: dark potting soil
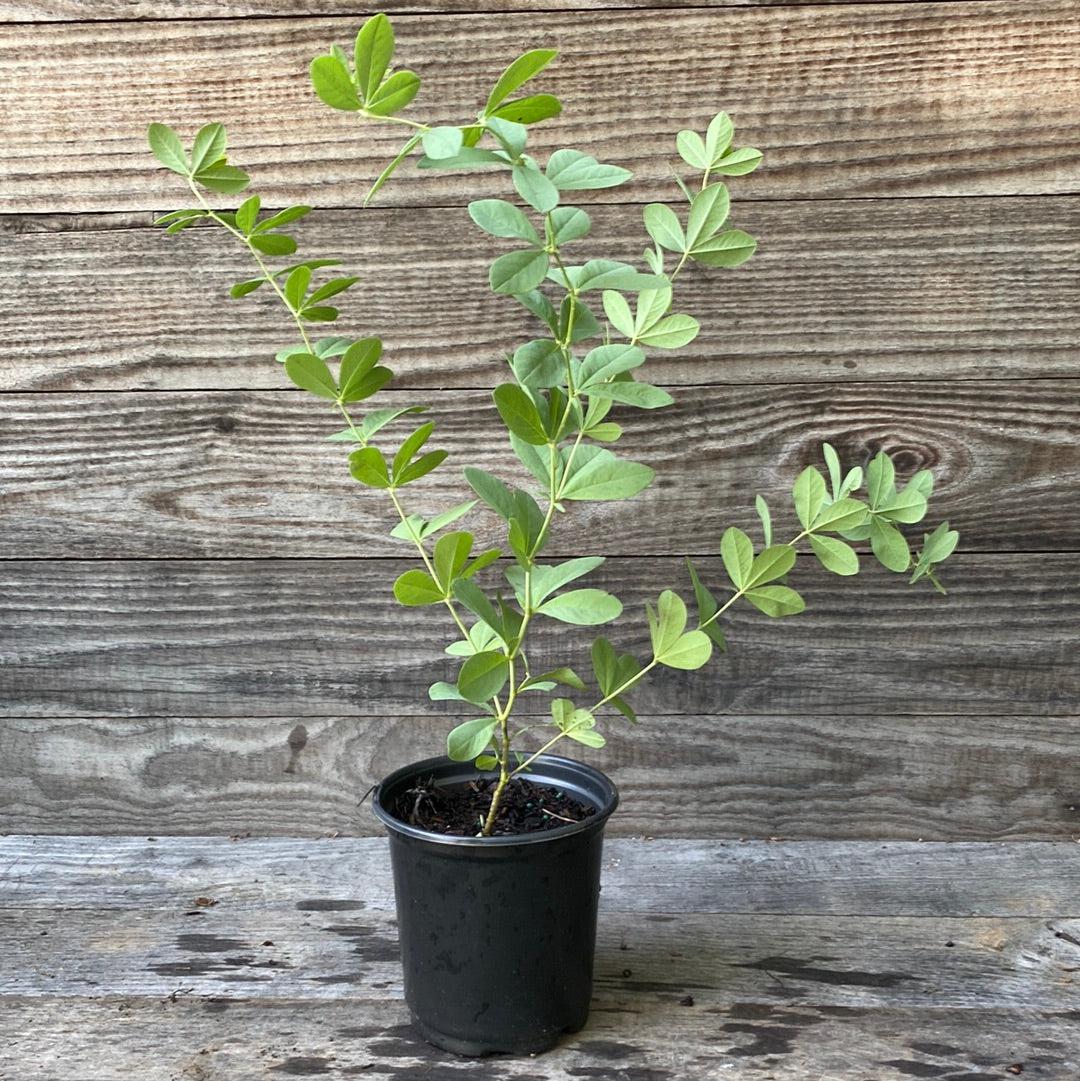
459	810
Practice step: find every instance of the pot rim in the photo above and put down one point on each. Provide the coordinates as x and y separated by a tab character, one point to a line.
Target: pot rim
601	792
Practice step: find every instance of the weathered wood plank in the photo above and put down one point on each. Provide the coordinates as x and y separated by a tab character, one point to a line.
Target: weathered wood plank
627	1039
295	949
323	638
907	778
838	292
105	10
1033	879
250	474
961	79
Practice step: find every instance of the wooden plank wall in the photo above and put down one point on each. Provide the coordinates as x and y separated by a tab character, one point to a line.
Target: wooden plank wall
195	632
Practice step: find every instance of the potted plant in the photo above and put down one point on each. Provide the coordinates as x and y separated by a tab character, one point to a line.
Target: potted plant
496	844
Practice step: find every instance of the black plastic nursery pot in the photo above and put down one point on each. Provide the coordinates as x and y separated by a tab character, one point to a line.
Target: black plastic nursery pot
497	933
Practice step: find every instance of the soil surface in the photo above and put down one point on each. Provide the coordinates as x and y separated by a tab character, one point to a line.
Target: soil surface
459	810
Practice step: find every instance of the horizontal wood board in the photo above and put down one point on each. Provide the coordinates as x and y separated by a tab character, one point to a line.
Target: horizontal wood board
911	289
838	961
929	99
942	778
324	637
229	475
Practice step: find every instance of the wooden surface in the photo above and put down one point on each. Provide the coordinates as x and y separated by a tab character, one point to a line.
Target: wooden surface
846	99
195	628
802	962
883	289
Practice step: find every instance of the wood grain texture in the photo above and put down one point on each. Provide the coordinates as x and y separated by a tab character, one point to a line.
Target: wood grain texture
323	638
893	99
647	1037
168	475
888	961
1031	879
106	10
929	289
902	778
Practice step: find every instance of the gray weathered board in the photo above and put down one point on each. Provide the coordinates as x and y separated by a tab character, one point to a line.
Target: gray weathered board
789	961
195	632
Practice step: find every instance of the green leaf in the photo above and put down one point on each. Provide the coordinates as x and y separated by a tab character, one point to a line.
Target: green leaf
776	601
718	136
378	419
566	676
607	361
832	461
738	162
247	214
880	480
166	147
502	219
394	94
466	158
421	527
296	286
333	84
320	314
518	271
368	466
519	413
663	225
583	607
571	170
569	223
209	146
284	217
482	677
691	650
241	289
545	580
834	555
331	289
651	305
416	588
889	546
360	378
492	491
474	598
737	552
641	395
841	515
373	51
618	312
707	607
408	449
771	564
539	364
524	68
729	249
611	274
906	506
599	475
420	468
223	178
809	495
273	243
671	333
310	373
442	142
471	738
708	211
535	188
486	762
510	136
766	519
530	110
444	692
450	556
691	148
